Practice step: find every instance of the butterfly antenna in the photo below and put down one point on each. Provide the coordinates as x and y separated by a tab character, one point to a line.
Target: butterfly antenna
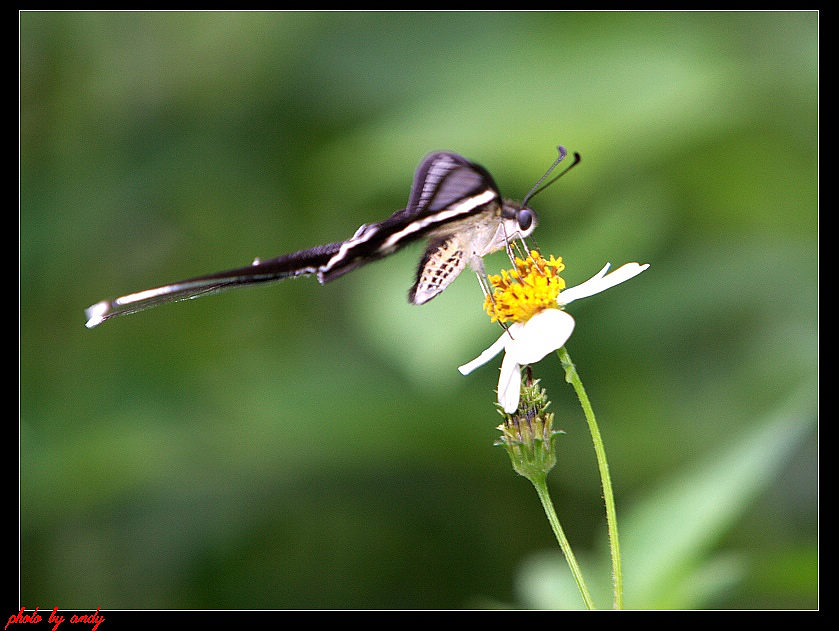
538	187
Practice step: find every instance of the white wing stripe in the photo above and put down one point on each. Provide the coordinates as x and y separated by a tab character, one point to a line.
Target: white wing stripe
339	256
462	208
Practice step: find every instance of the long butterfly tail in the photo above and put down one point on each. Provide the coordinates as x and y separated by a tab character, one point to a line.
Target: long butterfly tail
365	246
296	264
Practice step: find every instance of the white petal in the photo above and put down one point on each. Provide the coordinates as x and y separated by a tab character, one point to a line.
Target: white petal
484	357
545	332
509	384
601	282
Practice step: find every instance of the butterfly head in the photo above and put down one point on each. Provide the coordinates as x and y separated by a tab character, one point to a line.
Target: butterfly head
518	221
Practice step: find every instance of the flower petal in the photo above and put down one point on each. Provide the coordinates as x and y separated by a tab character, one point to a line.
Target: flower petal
509	384
545	332
601	282
484	357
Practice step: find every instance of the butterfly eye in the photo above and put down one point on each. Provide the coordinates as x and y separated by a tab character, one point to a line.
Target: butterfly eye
524	217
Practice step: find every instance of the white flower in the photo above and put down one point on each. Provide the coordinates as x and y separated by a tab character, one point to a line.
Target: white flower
528	342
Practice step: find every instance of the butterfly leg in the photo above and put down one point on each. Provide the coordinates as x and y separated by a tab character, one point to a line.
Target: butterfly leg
518	248
486	286
477	264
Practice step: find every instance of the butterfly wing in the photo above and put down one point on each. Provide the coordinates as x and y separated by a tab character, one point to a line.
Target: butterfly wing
444	179
260	271
442	262
448	191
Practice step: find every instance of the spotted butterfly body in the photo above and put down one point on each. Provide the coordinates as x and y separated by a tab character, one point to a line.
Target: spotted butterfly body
454	204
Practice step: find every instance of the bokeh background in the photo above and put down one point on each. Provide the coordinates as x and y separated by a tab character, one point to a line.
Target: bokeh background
299	446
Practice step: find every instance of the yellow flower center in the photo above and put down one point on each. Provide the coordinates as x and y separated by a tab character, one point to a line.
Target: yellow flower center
521	293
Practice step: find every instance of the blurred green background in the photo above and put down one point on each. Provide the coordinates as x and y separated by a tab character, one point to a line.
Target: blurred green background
299	446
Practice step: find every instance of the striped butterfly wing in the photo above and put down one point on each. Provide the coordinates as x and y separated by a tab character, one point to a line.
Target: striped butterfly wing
448	192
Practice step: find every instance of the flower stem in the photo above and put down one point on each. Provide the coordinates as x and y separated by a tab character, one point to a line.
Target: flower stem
573	378
540	484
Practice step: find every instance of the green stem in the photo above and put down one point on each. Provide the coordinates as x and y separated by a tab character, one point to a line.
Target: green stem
573	378
540	484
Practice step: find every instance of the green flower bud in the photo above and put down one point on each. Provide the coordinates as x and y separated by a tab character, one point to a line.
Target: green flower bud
528	433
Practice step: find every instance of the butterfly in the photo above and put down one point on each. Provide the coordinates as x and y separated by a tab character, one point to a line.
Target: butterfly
454	205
